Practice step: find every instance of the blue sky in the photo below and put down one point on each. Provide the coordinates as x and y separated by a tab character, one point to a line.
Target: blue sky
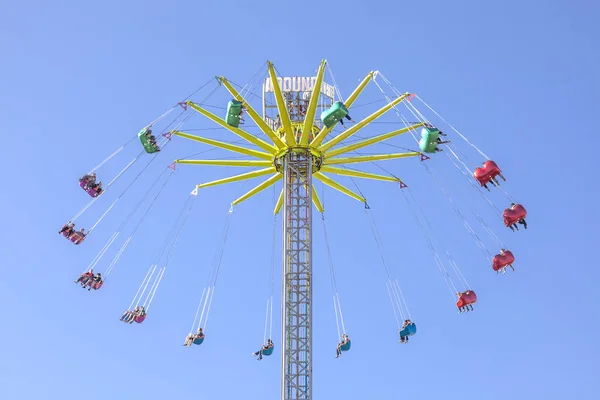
518	78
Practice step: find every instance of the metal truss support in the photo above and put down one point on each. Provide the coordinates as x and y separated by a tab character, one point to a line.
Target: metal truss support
297	277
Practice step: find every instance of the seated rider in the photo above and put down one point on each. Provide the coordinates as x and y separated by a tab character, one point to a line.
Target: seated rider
96	280
429	126
81	233
141	312
97	187
241	115
129	315
520	221
89	180
502	252
440	141
152	139
404	339
494	183
189	339
342	120
69	228
345	340
468	307
199	334
264	347
85	277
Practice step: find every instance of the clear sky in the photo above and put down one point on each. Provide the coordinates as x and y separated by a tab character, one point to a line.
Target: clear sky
519	78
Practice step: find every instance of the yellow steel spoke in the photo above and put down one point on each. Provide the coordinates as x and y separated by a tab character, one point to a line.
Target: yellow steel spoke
316	200
282	108
258	188
228	163
312	106
355	128
374	157
254	115
240	177
241	133
354	95
279	203
226	146
358	174
373	140
330	182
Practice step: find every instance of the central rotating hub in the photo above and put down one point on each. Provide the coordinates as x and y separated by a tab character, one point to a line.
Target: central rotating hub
297	127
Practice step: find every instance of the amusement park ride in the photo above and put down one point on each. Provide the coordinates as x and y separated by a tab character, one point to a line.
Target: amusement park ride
298	117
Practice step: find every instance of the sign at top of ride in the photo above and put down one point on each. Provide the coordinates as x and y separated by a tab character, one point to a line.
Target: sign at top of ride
299	84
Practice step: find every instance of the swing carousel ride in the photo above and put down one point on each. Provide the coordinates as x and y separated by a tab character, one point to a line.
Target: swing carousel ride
305	133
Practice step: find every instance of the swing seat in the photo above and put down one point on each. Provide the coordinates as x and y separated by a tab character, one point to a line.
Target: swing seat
76	238
429	137
234	109
140	318
198	341
346	346
487	172
409	330
268	352
514	215
145	140
98	285
91	191
334	114
466	298
501	261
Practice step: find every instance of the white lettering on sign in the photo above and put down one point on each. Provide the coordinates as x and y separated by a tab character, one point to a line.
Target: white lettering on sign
299	84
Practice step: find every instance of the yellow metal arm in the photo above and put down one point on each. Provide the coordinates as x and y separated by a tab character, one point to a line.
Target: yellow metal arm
312	106
349	101
316	200
241	133
374	157
240	177
358	174
228	163
373	140
254	115
279	203
226	146
363	84
282	108
258	188
330	182
355	128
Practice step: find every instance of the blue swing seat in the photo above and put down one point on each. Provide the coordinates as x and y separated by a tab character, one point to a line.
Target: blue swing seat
198	340
268	352
346	346
409	330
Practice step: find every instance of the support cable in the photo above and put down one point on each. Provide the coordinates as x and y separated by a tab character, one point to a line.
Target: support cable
339	317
